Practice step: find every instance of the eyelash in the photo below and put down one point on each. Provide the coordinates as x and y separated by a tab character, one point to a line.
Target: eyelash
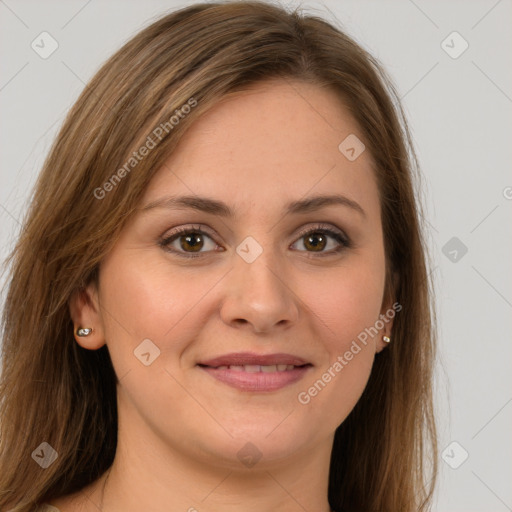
320	228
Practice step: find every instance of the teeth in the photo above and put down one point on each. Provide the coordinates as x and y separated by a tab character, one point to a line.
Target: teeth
254	368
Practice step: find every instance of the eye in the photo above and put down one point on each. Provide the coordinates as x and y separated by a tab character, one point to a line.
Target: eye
187	241
189	238
317	239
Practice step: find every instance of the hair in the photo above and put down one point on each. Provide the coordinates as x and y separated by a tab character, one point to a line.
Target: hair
52	390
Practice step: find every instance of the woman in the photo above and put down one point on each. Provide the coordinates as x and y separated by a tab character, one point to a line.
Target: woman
219	299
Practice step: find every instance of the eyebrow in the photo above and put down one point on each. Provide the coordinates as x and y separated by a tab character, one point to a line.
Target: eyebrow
212	206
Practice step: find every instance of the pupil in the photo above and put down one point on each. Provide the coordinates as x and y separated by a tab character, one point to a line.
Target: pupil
320	244
193	241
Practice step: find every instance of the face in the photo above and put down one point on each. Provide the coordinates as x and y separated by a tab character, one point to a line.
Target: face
274	276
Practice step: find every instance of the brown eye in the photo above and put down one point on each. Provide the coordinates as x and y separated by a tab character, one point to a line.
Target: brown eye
315	241
192	242
318	239
188	242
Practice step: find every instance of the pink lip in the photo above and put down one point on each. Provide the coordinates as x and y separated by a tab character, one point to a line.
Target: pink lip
257	381
243	358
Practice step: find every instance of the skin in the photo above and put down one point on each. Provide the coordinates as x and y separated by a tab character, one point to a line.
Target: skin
179	428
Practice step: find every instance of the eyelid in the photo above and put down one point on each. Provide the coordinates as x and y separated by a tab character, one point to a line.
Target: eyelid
166	239
189	228
329	228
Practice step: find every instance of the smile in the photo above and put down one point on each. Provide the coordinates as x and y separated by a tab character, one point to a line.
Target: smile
257	377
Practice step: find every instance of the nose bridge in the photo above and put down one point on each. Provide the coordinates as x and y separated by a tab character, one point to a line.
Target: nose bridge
259	267
257	290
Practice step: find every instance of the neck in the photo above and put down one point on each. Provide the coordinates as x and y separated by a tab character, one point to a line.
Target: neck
155	476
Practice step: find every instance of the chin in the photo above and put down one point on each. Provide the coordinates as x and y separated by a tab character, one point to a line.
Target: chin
260	444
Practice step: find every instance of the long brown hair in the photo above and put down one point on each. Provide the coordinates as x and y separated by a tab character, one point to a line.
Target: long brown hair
384	456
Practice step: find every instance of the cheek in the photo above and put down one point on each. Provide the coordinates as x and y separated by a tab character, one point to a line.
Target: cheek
145	297
346	305
346	302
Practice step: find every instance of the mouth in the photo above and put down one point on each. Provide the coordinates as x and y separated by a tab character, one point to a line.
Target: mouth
255	368
252	372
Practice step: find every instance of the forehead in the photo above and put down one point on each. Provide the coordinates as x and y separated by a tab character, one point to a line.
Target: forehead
275	142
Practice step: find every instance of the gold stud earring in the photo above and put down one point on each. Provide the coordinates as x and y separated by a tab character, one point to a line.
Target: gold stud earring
386	339
83	331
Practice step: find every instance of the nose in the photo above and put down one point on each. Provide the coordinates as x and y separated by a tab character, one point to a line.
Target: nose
259	296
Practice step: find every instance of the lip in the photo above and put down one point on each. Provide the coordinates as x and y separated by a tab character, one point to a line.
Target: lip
256	380
246	358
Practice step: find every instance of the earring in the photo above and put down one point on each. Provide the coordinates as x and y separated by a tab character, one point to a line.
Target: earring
386	339
83	331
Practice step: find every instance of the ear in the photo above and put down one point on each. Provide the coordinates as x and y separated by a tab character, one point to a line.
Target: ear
387	314
85	313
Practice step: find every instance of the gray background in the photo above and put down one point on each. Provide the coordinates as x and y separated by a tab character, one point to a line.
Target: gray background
460	114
